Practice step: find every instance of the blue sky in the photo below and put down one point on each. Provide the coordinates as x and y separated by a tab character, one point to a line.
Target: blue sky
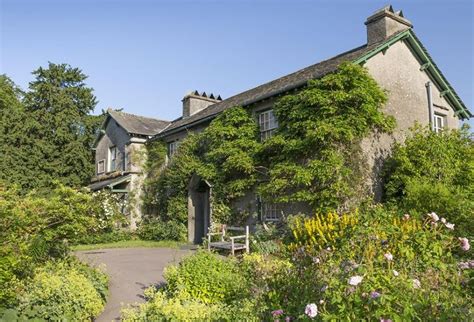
144	55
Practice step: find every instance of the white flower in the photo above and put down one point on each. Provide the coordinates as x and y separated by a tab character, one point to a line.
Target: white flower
355	280
443	220
395	273
406	216
324	288
449	226
416	283
433	216
321	301
311	310
388	256
464	243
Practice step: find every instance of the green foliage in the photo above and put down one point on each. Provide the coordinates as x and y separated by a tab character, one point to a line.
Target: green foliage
314	156
38	227
63	290
434	172
47	132
421	251
203	287
155	229
206	277
224	154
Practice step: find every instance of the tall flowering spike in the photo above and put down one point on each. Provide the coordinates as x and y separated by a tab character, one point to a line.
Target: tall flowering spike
464	243
355	280
311	310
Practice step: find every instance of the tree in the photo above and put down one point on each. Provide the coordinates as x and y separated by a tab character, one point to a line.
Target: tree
13	137
61	130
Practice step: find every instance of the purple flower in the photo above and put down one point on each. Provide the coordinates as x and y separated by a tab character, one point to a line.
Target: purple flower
288	319
311	310
374	294
277	313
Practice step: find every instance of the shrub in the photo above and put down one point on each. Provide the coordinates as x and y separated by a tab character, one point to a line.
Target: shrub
60	291
389	266
155	229
434	172
104	237
206	277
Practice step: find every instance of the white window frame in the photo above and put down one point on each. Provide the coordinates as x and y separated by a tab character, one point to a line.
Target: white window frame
99	163
439	123
113	151
173	147
270	212
268	124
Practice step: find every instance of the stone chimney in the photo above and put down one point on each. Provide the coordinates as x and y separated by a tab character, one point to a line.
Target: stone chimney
384	23
195	102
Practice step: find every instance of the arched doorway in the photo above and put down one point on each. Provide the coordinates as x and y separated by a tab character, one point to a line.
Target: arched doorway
199	209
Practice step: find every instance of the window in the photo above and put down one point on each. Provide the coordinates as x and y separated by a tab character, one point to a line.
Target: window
127	163
438	123
268	123
270	211
101	166
172	148
112	158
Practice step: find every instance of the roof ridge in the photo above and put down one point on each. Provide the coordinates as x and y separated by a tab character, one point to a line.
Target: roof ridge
136	115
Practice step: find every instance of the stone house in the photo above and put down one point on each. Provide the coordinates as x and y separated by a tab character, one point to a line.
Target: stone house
120	156
395	58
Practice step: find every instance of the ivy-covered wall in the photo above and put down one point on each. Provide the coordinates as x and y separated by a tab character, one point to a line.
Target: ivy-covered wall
314	157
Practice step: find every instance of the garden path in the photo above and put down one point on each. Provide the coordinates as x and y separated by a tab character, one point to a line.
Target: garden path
131	271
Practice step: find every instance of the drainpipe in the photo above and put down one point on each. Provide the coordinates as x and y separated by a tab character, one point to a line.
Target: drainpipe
430	104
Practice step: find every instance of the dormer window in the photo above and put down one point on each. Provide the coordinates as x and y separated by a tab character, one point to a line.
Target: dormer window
268	124
112	158
172	148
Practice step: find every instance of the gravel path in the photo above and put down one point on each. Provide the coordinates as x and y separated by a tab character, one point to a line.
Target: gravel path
131	271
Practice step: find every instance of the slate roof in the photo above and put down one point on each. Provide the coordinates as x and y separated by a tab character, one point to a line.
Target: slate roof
272	88
135	124
108	182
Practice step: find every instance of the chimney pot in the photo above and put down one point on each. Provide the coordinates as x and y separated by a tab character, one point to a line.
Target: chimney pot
195	102
385	23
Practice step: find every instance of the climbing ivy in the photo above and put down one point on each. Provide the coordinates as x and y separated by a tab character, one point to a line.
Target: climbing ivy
314	156
223	154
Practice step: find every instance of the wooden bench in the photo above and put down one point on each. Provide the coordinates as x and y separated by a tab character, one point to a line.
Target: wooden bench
228	242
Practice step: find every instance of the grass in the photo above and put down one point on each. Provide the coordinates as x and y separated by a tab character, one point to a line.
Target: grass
130	244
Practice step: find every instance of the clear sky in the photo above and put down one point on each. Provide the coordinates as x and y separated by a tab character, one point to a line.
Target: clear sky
144	55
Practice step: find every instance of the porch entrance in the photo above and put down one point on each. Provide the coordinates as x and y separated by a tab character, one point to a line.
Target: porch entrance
199	209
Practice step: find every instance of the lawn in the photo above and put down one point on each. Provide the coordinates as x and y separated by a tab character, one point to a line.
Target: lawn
130	244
